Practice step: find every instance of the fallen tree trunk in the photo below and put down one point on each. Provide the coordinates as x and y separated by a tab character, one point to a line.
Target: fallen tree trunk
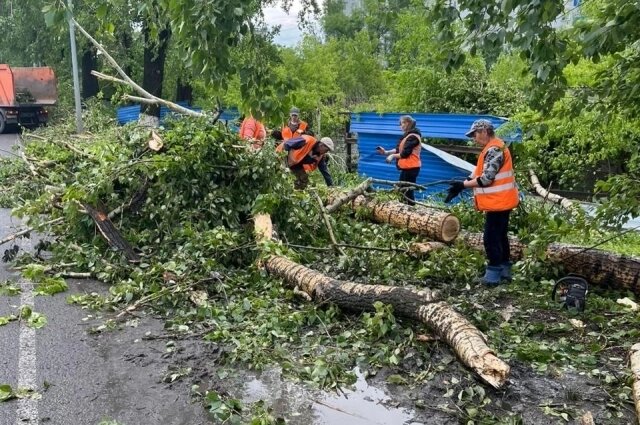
429	222
464	338
556	199
599	267
634	360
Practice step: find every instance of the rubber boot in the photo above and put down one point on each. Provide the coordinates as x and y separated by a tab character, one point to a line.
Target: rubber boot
505	275
491	276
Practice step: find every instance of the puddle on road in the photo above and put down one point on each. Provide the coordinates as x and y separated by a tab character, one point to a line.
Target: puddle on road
361	405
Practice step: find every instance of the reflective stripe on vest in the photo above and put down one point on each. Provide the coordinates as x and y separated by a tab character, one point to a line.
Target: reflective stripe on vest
413	160
288	134
502	194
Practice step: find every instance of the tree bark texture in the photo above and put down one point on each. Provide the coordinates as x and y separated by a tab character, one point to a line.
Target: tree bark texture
155	53
111	234
634	360
429	222
464	338
184	91
422	305
599	267
89	62
422	249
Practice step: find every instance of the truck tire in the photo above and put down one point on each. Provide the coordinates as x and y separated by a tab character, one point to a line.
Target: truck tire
3	123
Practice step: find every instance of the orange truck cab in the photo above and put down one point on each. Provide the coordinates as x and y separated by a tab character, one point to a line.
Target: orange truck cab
25	95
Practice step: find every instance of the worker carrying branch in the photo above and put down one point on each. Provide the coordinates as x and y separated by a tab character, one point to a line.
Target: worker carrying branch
495	193
304	154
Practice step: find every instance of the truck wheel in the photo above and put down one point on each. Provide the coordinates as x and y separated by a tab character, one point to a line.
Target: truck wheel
3	123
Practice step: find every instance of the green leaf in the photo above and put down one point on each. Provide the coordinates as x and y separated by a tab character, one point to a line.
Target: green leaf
6	393
396	379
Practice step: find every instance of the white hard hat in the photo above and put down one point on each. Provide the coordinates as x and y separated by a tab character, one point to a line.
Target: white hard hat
327	142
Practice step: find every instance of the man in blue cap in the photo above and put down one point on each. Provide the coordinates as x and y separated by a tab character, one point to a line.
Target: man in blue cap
495	193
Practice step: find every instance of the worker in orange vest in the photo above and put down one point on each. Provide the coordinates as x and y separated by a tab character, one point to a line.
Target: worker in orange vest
253	130
305	154
295	126
495	193
407	155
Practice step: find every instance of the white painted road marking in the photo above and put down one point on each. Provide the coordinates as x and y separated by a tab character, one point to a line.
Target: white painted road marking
27	412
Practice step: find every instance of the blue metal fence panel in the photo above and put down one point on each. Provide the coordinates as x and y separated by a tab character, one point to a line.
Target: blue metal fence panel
435	126
383	130
126	114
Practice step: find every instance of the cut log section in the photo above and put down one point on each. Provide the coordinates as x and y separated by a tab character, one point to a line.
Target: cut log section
634	360
111	234
599	267
422	305
556	199
434	224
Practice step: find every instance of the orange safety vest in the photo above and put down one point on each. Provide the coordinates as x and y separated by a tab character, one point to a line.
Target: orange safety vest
288	134
252	129
413	160
502	194
295	156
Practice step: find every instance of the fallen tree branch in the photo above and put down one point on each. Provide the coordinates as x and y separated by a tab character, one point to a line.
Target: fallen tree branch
421	249
28	230
424	306
29	164
110	233
346	245
327	223
342	199
138	198
557	199
128	80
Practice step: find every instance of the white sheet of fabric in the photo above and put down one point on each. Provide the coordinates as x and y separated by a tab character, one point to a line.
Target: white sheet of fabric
451	159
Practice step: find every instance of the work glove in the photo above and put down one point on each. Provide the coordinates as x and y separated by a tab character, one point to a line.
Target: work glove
454	190
389	158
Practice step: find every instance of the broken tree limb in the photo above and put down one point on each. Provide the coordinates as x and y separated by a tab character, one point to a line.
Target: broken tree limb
111	234
135	202
422	305
128	81
599	267
430	222
327	223
343	198
29	164
634	360
556	199
16	235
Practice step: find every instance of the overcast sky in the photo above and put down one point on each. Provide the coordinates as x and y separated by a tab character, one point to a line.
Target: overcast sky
289	32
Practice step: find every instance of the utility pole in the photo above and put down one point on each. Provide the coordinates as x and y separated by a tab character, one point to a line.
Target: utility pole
74	70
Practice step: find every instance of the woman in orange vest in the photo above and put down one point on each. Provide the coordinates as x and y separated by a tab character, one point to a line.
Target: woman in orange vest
295	126
407	154
253	131
304	154
495	193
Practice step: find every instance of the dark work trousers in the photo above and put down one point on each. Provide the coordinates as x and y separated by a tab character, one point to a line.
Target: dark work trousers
496	241
410	175
302	179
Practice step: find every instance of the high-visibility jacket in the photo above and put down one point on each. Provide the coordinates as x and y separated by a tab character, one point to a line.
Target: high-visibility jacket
288	134
413	160
502	194
252	129
296	156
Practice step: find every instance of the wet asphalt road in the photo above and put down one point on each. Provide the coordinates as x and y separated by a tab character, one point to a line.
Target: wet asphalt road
82	378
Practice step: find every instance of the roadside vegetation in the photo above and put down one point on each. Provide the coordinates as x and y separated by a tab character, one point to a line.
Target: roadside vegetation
186	210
